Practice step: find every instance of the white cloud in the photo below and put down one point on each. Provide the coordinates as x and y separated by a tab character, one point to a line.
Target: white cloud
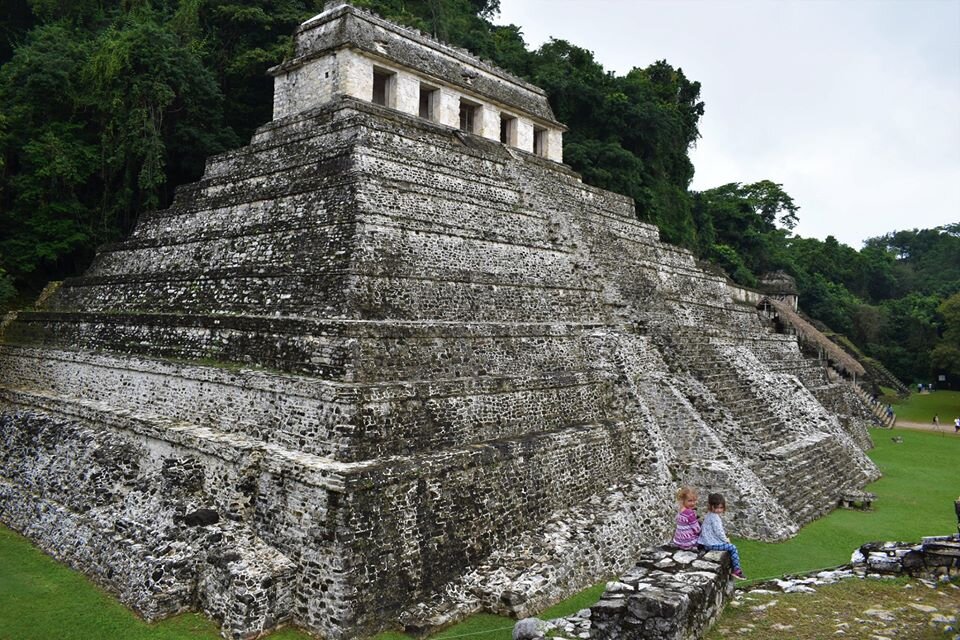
854	106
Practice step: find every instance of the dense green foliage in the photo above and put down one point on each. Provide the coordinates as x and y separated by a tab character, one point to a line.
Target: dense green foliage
107	105
892	298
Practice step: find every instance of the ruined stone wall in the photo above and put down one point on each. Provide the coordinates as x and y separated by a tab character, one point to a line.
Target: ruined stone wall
135	514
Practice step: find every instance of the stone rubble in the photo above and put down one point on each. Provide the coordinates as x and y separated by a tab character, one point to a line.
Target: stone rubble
669	594
935	557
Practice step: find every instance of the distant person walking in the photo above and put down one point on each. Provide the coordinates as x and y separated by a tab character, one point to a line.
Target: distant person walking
936	420
956	425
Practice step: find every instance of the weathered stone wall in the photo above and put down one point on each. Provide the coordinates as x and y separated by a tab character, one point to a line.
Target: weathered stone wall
144	519
454	375
668	595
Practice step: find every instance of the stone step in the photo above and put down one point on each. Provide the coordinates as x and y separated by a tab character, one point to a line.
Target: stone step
335	293
331	349
319	416
325	471
808	476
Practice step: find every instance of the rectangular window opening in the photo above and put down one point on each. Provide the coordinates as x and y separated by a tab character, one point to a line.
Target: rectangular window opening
428	102
508	130
540	141
383	87
468	115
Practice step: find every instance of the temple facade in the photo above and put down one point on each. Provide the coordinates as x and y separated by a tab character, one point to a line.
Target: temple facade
342	52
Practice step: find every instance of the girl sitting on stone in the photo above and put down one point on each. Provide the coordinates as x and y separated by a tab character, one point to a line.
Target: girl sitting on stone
688	527
713	536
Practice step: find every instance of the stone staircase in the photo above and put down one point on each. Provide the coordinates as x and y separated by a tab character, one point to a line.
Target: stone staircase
878	409
737	394
805	468
809	475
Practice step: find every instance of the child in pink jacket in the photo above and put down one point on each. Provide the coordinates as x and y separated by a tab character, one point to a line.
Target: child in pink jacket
688	527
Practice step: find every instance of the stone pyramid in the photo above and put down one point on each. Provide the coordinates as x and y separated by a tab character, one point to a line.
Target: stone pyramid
394	362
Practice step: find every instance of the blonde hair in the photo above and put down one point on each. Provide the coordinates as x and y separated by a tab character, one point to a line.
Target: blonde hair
686	492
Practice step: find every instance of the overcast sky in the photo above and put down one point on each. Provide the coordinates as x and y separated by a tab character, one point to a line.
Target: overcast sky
852	105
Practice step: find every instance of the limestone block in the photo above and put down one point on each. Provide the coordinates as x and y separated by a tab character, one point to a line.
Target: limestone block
525	135
305	87
407	93
448	108
554	145
489	122
354	75
680	599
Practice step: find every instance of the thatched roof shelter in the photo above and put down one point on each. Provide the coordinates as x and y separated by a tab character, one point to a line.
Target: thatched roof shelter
810	334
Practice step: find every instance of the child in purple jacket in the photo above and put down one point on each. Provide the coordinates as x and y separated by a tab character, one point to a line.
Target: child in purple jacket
688	527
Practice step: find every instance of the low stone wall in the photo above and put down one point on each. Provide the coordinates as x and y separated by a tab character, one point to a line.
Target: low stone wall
673	595
935	556
669	595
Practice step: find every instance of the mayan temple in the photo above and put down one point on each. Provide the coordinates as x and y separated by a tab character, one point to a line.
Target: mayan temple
393	363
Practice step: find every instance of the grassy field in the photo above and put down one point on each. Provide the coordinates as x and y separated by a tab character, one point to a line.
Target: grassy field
837	608
915	498
41	599
921	407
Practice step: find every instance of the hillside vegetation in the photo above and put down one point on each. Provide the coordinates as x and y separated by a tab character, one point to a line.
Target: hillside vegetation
106	106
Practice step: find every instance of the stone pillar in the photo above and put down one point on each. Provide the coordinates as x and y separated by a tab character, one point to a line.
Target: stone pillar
355	77
408	93
525	135
554	141
448	108
488	122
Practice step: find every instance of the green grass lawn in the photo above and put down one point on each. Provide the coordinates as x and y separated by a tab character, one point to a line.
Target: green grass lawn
921	407
921	479
41	599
